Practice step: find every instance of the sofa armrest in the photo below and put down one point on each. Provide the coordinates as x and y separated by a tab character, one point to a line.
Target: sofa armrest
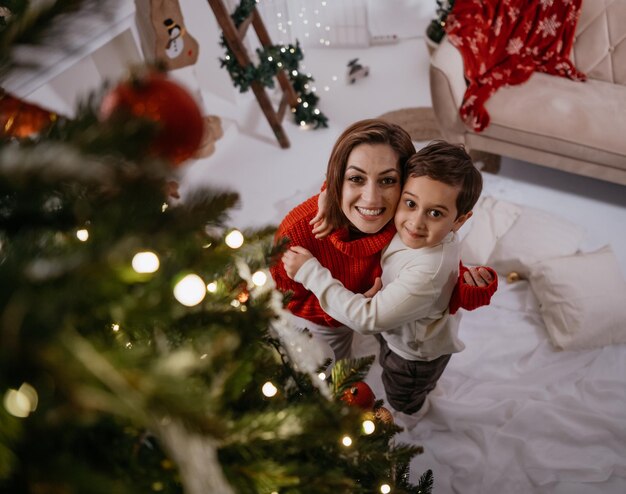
447	87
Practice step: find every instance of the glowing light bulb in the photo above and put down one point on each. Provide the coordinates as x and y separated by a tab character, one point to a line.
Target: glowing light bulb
234	239
294	72
322	376
305	104
269	59
212	287
385	489
269	389
259	278
190	290
115	327
82	235
368	427
346	441
21	402
145	262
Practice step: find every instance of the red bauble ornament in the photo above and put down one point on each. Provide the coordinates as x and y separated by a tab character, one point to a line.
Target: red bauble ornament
170	105
359	395
21	119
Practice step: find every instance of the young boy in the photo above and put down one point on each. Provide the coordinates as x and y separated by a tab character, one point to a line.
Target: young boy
410	315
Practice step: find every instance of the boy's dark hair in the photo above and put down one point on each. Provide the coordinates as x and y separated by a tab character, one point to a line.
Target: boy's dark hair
450	164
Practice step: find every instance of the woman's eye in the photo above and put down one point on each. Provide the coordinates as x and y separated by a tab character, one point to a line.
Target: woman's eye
356	179
389	181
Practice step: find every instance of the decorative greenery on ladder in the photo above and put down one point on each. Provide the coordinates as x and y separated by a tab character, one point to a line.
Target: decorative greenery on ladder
271	60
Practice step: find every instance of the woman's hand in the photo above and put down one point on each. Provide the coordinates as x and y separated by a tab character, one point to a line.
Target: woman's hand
294	258
321	226
477	276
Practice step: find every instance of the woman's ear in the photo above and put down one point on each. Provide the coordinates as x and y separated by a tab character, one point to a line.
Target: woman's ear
458	223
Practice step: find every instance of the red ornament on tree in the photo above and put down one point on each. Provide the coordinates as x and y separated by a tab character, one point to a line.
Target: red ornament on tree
159	99
359	395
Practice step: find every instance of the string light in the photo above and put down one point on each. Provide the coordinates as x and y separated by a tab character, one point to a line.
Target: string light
190	290
21	402
269	389
212	287
82	234
115	327
145	262
322	376
259	278
385	489
234	239
368	427
346	441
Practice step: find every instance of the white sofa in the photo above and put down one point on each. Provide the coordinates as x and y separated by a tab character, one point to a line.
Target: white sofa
578	127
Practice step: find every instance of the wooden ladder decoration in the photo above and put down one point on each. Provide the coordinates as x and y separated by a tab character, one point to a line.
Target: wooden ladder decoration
234	37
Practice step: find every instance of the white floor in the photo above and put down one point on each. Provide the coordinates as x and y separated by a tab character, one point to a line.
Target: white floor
271	180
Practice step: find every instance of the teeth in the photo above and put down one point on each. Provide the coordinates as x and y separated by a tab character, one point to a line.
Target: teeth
370	212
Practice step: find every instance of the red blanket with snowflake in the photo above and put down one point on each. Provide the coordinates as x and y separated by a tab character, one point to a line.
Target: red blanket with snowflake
504	41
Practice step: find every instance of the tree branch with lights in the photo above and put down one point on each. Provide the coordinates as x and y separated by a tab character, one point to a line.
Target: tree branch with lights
143	347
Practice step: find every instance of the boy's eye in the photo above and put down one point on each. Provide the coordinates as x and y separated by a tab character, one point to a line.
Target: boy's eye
435	214
411	204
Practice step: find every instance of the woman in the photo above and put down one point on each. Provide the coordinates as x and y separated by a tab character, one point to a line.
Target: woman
364	181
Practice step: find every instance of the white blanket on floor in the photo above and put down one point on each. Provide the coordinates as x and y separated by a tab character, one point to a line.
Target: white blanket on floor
513	415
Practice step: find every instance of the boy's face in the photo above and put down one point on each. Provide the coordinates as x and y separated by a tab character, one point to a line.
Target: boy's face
427	212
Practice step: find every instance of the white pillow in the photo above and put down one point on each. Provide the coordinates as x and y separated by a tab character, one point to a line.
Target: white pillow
490	220
510	237
582	299
536	235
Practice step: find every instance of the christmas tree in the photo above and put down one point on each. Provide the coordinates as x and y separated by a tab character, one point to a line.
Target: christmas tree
142	345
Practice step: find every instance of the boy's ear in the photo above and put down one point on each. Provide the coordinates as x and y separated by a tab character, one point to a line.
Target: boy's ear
458	223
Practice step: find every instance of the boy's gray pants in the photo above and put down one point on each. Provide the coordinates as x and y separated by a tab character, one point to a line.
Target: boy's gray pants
407	382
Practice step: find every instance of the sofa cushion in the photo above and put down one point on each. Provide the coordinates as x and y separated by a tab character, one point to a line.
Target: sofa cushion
582	120
600	41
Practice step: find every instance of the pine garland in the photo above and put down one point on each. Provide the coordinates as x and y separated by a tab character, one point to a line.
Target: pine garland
272	59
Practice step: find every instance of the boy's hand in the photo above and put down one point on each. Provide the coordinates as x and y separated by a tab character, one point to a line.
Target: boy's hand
477	276
378	284
321	226
294	258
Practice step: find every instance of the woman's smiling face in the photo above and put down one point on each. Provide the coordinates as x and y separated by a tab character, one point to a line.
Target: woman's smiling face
371	187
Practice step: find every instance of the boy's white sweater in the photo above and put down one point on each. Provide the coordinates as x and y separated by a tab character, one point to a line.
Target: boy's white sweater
411	310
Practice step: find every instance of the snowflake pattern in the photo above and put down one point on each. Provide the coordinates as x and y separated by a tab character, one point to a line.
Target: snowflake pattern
545	4
514	46
513	14
497	26
548	26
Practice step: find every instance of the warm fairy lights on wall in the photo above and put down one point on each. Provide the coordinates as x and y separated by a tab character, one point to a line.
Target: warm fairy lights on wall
145	262
190	290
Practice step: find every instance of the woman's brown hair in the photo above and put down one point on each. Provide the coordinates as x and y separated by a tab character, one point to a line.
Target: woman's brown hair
370	131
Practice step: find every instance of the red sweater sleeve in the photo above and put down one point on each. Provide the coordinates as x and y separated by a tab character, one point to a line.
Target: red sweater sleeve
470	297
